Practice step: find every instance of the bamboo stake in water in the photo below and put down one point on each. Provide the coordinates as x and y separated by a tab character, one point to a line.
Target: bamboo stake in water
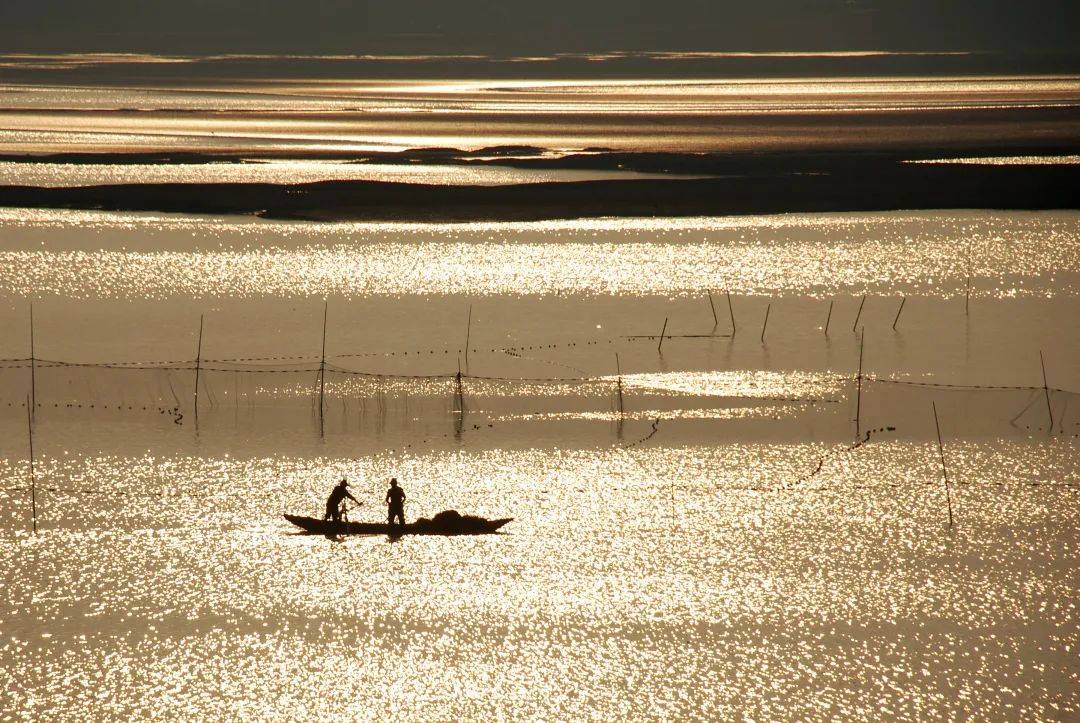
902	302
730	312
661	344
33	483
1046	391
33	367
858	315
765	323
716	322
944	472
828	318
858	392
468	334
198	365
322	368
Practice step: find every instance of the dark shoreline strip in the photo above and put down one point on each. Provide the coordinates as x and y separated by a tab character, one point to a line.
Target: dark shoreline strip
862	187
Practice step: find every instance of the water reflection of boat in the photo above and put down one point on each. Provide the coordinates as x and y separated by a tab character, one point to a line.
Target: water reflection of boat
444	523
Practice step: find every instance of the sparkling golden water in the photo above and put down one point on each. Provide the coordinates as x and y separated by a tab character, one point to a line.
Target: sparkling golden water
711	546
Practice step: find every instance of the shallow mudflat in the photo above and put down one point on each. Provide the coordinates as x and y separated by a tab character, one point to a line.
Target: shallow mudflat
506	149
840	186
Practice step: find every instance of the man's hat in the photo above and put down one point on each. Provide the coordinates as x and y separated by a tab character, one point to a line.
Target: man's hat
344	483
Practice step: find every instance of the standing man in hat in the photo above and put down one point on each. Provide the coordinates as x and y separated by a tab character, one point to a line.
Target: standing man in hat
395	503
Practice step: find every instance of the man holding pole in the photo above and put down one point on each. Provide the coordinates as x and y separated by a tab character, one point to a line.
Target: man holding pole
333	502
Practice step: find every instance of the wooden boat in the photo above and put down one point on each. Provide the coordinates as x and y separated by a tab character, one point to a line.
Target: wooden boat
444	523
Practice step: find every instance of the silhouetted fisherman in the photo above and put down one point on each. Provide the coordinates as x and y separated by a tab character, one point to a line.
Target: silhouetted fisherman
395	502
333	502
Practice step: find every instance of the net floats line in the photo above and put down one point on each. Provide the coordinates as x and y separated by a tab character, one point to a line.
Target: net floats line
52	363
400	449
187	363
865	439
240	369
173	412
113	492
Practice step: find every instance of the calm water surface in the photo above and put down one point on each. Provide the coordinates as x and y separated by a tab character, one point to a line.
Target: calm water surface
709	546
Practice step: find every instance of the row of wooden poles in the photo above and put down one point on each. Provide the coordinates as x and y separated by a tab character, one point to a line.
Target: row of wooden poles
459	407
768	309
468	333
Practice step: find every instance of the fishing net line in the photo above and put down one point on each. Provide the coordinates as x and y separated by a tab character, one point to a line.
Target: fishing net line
169	388
972	411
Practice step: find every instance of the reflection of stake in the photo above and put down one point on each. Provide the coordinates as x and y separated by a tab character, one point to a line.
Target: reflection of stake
618	371
828	318
902	302
661	344
33	483
731	313
765	323
858	392
33	367
1046	391
944	472
322	369
859	313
